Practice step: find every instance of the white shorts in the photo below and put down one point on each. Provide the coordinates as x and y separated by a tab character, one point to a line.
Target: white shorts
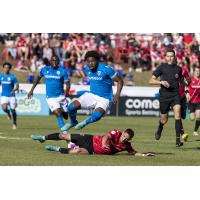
92	101
58	102
9	100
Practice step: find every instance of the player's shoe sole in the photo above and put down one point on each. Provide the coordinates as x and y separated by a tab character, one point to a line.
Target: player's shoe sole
80	125
158	133
180	144
185	137
52	148
39	138
66	127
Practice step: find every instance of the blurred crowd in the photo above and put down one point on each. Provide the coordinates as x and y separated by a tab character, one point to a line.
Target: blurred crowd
125	52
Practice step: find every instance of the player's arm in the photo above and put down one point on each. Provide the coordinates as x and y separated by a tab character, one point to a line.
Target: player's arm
106	137
16	86
67	84
37	80
156	81
120	84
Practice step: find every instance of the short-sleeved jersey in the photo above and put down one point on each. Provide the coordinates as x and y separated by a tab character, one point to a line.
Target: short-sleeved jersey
101	80
172	74
54	79
194	90
185	75
114	145
8	82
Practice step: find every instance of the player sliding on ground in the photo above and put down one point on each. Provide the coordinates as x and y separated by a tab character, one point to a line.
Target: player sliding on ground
110	143
99	98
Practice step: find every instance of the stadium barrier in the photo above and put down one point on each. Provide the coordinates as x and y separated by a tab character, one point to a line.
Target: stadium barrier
134	101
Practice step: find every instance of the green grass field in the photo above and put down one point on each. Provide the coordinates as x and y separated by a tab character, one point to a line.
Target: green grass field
16	147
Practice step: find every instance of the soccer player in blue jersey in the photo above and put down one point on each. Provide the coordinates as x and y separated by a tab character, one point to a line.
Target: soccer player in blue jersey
9	86
101	78
55	78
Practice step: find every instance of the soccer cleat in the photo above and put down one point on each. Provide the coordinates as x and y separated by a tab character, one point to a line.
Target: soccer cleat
185	136
52	148
80	125
39	138
14	126
68	126
158	133
179	144
195	133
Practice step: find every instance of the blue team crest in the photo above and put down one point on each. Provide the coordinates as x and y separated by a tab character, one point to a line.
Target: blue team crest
58	72
47	72
99	73
9	79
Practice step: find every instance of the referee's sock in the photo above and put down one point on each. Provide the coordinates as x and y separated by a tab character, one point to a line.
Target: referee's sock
197	124
53	136
178	126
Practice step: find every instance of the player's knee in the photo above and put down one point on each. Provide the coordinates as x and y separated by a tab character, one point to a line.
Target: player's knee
96	116
164	121
71	108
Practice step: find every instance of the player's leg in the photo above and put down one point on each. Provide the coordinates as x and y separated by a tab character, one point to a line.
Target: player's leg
192	109
13	105
197	123
4	105
164	109
101	106
178	124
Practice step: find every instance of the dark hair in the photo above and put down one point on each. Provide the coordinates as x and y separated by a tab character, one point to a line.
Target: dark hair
130	133
170	50
7	63
93	54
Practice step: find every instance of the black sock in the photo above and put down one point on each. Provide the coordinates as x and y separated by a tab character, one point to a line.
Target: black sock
14	116
197	124
182	129
53	136
64	150
160	124
178	125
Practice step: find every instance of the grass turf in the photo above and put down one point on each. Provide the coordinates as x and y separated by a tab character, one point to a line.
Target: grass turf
17	148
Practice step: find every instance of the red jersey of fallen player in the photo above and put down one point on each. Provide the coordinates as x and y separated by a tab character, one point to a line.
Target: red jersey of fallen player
194	90
114	145
185	75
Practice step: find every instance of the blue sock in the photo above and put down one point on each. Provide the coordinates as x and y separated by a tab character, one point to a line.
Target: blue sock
60	121
94	117
72	113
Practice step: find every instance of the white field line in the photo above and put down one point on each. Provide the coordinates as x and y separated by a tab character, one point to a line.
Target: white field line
13	138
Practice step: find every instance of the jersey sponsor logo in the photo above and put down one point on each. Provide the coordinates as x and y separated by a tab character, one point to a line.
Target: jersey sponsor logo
96	78
6	82
176	75
50	76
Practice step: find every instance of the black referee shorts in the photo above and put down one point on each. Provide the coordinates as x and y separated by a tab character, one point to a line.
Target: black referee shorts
83	141
193	107
166	105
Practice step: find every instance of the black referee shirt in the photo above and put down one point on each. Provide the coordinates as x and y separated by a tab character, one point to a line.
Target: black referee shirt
172	74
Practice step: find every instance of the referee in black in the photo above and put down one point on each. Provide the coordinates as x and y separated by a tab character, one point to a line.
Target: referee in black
170	75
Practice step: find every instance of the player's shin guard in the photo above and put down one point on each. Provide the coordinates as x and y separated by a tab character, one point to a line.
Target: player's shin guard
53	136
178	126
14	116
94	117
72	113
197	124
60	121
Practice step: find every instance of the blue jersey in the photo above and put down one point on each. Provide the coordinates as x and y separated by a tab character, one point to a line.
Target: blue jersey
8	82
54	79
101	80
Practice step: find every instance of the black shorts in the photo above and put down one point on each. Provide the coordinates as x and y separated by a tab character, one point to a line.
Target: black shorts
83	141
166	105
183	107
193	107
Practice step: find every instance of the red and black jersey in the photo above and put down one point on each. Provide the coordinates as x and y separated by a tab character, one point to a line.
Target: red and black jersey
194	90
114	145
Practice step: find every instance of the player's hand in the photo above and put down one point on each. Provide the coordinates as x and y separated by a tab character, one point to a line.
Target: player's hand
12	92
30	94
165	84
188	97
116	99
